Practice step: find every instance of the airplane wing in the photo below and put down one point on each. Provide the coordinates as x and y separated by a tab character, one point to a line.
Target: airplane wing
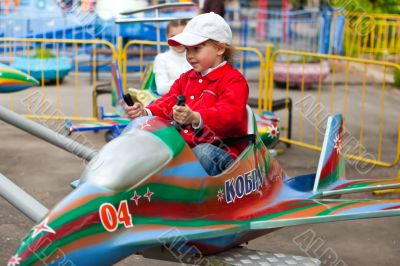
308	211
90	125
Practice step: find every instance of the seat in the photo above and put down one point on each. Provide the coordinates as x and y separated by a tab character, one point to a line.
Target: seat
280	104
251	125
251	130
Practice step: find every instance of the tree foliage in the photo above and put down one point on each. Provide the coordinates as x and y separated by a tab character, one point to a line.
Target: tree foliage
369	6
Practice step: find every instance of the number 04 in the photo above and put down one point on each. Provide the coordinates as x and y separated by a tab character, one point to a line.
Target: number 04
110	217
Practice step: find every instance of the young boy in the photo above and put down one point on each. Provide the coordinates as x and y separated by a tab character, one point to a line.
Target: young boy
216	94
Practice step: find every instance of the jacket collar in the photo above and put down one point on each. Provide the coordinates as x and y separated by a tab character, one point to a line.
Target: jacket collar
213	75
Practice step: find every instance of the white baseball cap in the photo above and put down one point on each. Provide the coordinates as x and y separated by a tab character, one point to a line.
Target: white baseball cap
208	26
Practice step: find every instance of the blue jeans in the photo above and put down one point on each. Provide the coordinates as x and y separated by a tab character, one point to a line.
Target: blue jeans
213	159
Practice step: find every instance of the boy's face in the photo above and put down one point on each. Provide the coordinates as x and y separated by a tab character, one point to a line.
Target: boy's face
175	31
204	56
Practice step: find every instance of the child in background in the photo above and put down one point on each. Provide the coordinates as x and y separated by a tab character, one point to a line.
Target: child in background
216	94
168	66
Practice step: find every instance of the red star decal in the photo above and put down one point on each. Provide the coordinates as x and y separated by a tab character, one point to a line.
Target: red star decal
42	227
148	194
273	131
146	124
338	144
136	198
14	261
220	195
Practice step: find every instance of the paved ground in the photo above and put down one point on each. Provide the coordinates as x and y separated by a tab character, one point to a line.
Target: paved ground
45	172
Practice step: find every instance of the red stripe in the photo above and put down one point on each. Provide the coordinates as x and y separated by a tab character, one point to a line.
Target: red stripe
67	229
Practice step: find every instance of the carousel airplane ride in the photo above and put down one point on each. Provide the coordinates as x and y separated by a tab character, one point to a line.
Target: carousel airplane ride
12	80
147	189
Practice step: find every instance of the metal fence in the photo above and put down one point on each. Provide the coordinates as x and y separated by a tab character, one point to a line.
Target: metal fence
370	35
293	30
320	85
67	70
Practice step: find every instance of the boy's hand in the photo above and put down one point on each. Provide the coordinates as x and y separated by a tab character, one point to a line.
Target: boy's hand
185	116
135	110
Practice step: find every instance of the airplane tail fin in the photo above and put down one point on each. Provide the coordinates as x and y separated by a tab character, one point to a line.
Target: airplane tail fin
331	164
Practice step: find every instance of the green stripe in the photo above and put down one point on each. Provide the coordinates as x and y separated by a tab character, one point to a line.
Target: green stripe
364	184
277	214
18	76
333	176
328	211
171	137
57	245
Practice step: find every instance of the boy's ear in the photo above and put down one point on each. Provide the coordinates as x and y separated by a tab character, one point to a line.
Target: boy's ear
221	49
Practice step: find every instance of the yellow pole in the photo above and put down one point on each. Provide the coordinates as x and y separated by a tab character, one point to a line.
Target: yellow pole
266	82
332	86
125	65
287	92
362	109
41	61
120	55
381	114
58	78
94	73
316	132
76	81
346	91
302	97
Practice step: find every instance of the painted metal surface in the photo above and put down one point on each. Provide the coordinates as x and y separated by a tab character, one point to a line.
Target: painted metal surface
48	135
122	207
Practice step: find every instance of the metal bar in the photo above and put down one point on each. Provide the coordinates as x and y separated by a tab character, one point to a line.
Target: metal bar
60	117
21	200
332	87
94	80
58	77
302	97
155	7
356	190
364	85
158	32
335	57
264	100
65	41
141	20
381	115
46	134
287	86
316	132
76	81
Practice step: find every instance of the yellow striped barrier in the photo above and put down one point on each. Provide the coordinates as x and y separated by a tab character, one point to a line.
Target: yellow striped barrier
347	90
377	35
59	47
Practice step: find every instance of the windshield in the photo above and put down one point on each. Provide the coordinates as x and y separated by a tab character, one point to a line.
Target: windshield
127	160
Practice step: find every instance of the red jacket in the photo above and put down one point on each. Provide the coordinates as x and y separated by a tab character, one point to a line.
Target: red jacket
220	97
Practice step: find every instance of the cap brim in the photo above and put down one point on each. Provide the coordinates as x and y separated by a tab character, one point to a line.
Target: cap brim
187	39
